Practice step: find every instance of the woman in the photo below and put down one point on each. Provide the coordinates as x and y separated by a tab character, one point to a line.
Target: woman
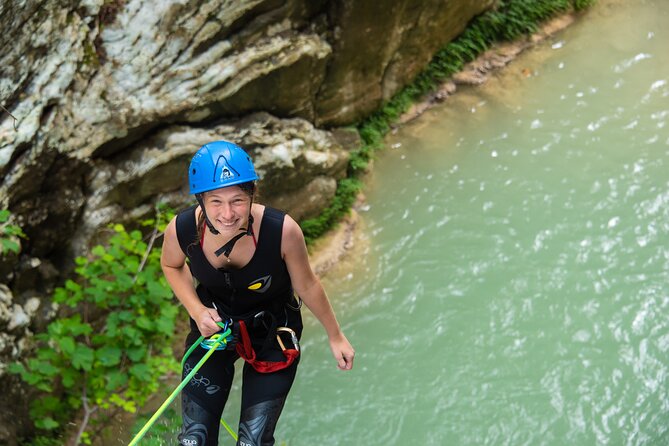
249	261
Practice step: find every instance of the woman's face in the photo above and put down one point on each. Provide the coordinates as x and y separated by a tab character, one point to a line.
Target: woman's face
227	208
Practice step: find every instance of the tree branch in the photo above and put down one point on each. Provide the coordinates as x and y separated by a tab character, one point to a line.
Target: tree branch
87	416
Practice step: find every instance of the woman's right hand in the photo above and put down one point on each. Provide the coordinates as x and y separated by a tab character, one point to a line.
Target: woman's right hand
206	320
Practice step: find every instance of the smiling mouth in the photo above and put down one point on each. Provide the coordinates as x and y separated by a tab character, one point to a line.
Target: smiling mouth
228	224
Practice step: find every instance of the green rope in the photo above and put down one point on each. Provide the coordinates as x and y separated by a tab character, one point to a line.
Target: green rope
216	342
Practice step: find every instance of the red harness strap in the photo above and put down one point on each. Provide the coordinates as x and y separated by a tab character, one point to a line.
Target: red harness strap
245	350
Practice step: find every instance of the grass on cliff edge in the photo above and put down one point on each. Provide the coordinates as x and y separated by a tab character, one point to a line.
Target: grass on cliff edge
509	20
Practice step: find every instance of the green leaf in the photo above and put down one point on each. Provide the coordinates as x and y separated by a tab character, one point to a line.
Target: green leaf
156	288
144	323
136	354
75	327
115	380
82	358
10	245
73	286
48	354
109	355
141	371
69	377
49	370
60	295
133	335
128	406
126	316
35	365
165	325
66	345
16	368
46	423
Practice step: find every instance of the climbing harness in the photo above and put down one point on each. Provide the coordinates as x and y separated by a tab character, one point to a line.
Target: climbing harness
235	335
245	350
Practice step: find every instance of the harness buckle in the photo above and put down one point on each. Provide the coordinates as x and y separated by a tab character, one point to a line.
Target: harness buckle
293	338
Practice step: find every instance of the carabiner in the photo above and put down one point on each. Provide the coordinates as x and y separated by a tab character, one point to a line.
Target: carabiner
293	338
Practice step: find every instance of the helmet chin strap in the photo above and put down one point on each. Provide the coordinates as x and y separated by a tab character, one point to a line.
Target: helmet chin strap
227	248
200	201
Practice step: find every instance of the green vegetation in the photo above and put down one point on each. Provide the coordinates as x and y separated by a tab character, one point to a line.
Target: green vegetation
509	20
9	234
109	349
347	189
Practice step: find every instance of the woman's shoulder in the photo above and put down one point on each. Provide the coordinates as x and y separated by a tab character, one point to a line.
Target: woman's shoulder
291	231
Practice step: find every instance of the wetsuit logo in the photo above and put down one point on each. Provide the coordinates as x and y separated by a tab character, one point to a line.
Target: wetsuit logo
261	285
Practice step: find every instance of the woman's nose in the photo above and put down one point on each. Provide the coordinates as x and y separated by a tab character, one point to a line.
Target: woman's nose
227	211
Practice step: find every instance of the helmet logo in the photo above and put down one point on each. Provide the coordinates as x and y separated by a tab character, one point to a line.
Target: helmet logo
226	174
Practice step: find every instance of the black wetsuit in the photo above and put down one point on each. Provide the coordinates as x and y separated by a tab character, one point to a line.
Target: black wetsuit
262	285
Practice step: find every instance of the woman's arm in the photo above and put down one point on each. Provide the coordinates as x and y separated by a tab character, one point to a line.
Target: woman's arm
177	273
307	285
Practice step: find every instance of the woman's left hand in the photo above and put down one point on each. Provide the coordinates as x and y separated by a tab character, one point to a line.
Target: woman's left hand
342	351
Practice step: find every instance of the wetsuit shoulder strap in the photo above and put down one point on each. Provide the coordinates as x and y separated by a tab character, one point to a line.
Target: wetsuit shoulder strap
275	215
186	228
271	230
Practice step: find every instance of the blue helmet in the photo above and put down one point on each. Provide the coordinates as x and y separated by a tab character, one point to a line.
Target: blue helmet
219	164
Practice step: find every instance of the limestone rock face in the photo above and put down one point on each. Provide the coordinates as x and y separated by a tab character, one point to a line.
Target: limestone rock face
288	154
378	47
105	101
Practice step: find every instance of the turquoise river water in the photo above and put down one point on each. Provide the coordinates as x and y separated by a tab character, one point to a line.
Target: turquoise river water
509	283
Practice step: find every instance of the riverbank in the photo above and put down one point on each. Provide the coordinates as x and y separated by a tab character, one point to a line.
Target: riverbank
479	71
337	243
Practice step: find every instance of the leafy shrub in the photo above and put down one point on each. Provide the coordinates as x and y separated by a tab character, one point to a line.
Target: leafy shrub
113	344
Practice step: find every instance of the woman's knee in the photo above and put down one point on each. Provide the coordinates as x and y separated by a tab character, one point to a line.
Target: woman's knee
257	423
199	425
